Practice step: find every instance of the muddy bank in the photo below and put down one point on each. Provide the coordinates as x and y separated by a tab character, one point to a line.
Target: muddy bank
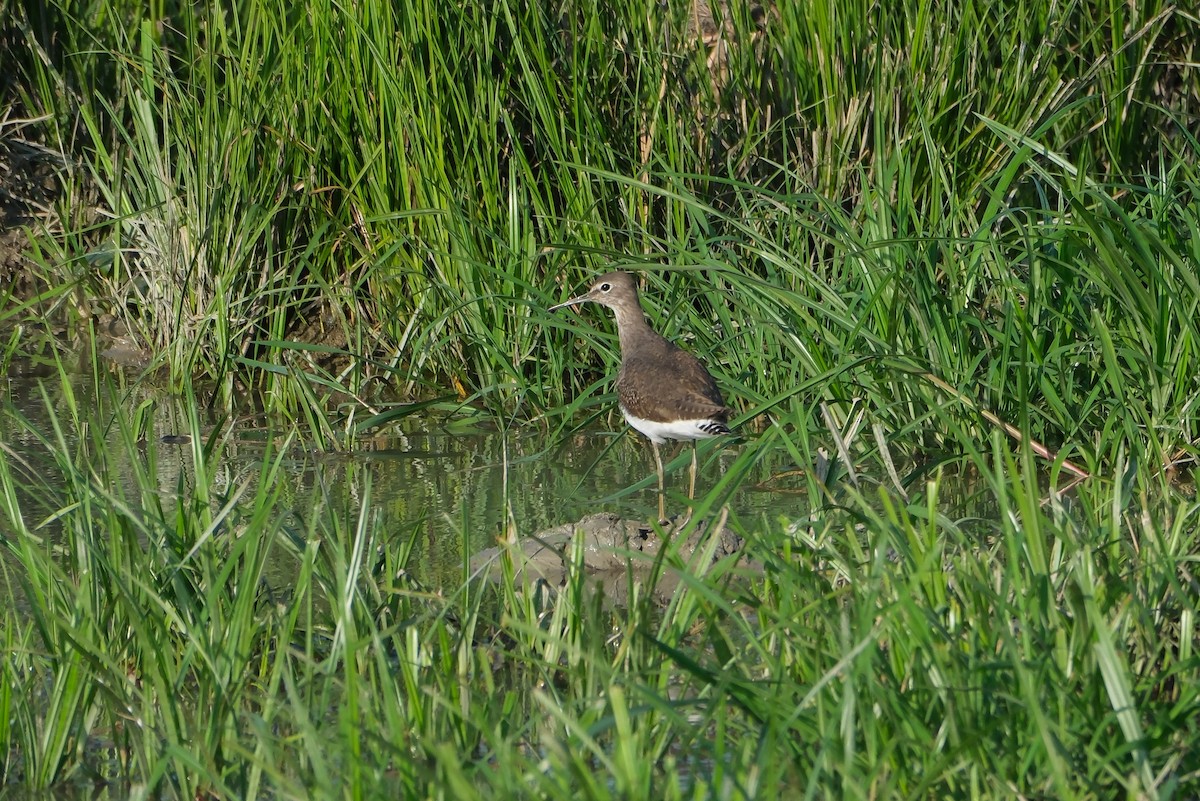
609	546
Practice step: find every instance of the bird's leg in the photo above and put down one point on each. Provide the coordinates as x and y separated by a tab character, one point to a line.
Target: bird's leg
692	479
662	510
691	488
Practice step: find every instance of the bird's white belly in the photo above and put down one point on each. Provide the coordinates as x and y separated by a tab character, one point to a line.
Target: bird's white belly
660	432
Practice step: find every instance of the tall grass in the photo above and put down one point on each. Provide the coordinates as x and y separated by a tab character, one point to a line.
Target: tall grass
407	185
928	251
984	638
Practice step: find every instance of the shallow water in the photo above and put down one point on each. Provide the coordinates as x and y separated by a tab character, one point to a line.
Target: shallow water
450	488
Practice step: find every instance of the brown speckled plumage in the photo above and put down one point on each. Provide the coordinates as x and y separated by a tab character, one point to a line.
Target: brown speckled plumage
664	392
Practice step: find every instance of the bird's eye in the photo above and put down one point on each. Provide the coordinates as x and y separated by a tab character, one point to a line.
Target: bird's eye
605	287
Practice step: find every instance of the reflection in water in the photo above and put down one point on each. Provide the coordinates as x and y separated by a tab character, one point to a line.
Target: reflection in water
450	493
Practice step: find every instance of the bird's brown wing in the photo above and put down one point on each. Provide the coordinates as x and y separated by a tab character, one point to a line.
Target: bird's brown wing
671	384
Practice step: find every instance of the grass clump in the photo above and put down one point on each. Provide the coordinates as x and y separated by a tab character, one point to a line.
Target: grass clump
201	640
406	186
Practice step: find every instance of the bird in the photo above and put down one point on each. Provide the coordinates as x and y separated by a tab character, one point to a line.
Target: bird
663	391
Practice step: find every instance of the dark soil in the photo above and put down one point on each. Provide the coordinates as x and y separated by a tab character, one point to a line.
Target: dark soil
30	185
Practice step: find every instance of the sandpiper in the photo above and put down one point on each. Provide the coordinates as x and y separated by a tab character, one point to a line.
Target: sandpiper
663	391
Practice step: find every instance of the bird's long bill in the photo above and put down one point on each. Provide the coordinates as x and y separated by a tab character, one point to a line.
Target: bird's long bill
571	302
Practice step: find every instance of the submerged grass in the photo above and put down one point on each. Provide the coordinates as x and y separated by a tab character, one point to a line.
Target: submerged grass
944	258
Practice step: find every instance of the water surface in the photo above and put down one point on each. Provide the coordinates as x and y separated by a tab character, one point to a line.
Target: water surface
450	489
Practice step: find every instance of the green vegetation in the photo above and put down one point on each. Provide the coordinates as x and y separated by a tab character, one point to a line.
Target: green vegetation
957	247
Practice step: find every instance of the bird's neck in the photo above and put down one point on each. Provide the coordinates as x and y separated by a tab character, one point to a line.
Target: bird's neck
631	326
